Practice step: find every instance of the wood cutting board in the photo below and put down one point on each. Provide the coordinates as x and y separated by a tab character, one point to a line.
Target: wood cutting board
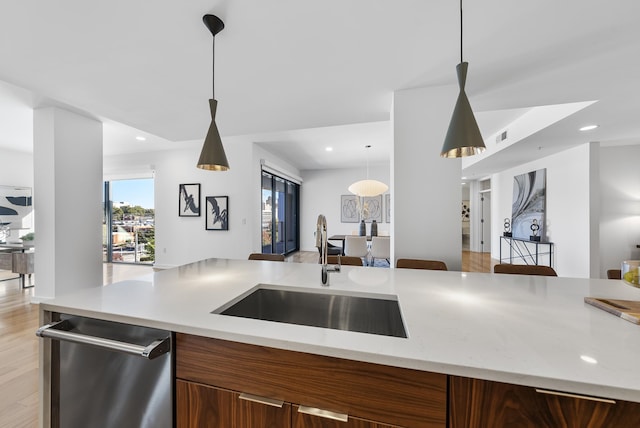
626	309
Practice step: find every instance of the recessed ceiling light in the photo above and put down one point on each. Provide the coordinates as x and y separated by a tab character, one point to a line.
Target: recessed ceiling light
588	359
589	127
139	138
329	149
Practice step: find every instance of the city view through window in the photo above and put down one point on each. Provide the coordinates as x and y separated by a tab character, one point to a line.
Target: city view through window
129	222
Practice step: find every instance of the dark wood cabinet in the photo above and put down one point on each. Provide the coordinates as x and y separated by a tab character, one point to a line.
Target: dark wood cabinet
202	406
478	403
363	391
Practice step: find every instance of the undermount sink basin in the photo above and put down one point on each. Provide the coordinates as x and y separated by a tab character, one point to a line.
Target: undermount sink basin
358	313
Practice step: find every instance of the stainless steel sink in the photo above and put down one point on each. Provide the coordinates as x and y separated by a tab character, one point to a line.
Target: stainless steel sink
364	314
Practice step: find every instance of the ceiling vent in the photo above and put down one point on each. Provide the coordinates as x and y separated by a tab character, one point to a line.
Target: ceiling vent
501	136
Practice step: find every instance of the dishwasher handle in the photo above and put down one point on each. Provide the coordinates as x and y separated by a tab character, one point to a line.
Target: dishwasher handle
60	331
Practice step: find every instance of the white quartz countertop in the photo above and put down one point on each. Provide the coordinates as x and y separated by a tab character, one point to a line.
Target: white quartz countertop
526	330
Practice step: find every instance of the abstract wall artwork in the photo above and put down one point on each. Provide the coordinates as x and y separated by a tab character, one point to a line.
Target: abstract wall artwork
16	207
217	214
465	210
529	203
189	200
353	208
349	209
387	207
372	208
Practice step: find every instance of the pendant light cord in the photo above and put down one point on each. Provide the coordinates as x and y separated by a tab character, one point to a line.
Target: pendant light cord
461	31
367	147
213	69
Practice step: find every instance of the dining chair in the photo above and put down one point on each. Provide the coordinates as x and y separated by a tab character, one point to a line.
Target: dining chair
344	260
380	248
356	246
332	250
614	274
269	257
421	264
524	269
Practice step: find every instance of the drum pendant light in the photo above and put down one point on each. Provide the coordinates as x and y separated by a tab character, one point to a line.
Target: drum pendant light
463	136
212	156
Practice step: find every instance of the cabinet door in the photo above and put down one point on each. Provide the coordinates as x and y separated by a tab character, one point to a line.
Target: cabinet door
200	406
303	420
477	403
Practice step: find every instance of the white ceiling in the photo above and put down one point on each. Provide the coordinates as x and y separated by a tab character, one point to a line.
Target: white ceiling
287	65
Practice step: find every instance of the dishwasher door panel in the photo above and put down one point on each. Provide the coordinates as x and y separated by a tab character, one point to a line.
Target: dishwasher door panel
102	388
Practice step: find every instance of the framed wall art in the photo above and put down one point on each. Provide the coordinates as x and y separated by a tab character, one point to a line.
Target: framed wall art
189	200
355	208
529	204
387	207
16	207
349	209
217	214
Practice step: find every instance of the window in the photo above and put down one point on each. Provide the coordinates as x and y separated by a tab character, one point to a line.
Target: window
280	222
129	221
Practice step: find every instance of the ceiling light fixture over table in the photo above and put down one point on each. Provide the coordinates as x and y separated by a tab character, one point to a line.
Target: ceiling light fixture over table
463	136
212	156
368	187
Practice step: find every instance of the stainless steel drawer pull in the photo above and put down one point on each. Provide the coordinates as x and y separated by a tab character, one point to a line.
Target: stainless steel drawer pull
582	397
323	413
261	400
59	331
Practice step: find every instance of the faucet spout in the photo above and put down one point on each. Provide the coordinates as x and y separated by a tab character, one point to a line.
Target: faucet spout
321	243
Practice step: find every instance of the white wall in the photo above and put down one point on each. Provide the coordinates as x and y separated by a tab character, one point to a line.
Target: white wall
425	187
16	169
321	193
181	240
620	206
568	218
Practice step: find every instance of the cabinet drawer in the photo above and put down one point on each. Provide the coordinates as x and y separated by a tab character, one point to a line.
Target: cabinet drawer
201	406
395	396
478	403
302	420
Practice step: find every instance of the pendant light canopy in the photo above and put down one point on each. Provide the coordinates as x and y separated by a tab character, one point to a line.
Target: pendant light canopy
368	187
463	136
212	156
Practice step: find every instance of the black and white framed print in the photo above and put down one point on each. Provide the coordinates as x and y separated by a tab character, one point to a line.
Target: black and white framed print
217	214
189	200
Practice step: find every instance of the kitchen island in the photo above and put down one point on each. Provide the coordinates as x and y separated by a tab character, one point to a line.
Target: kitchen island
470	327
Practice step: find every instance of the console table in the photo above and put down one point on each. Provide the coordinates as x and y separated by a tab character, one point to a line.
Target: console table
526	252
18	259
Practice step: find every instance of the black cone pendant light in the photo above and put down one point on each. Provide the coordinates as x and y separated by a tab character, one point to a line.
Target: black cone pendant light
463	136
212	156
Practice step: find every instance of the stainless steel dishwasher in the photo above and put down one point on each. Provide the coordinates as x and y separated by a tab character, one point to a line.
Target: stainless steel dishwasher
108	374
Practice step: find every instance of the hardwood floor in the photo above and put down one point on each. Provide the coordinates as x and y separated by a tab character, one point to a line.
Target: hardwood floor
19	344
18	355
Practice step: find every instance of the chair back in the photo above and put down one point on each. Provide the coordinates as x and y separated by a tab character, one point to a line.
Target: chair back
345	260
269	257
421	264
614	274
355	246
524	269
380	247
